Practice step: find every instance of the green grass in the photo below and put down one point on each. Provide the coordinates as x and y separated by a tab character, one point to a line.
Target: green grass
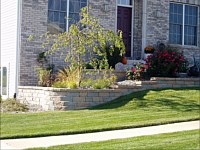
139	109
187	140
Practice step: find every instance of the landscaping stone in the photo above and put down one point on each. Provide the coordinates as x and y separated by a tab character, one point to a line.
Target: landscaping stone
45	98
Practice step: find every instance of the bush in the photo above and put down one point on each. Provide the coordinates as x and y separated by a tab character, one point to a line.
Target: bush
102	83
137	73
165	63
113	57
44	76
87	83
65	84
11	105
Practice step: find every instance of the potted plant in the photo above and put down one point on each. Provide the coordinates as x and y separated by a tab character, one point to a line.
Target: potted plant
148	51
124	60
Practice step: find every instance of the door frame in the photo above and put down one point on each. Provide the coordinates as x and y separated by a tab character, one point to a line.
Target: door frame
132	22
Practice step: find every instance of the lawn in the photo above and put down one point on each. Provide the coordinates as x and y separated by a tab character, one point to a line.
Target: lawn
145	108
187	140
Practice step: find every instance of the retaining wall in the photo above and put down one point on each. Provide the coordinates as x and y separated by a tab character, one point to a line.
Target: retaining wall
46	98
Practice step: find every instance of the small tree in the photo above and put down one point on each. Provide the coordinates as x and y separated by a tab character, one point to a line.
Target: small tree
86	41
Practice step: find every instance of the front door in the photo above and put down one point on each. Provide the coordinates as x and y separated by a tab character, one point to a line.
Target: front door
124	17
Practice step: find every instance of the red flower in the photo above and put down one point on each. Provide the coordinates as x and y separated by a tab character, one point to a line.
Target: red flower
145	66
133	69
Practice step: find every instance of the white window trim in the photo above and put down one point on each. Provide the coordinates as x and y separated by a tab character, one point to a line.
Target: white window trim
67	17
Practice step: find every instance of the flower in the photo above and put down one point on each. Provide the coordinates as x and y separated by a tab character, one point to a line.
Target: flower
137	72
149	49
165	63
133	69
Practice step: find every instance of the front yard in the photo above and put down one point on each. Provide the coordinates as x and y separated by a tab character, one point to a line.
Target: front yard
187	140
145	108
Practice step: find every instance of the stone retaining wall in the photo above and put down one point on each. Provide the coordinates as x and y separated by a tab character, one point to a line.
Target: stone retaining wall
45	98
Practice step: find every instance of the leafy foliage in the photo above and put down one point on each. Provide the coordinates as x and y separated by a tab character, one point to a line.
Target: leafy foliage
137	73
86	41
165	63
44	76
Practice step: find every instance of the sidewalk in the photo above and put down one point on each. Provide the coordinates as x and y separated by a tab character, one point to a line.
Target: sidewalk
19	144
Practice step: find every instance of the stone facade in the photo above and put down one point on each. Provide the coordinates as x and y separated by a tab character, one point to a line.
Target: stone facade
158	25
44	98
137	29
34	22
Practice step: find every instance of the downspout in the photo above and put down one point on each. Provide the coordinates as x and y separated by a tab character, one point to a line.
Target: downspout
18	47
144	25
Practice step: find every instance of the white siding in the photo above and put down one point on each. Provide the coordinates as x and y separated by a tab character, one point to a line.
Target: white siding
9	11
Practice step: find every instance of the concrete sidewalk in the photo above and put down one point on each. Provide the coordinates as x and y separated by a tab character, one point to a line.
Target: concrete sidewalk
98	136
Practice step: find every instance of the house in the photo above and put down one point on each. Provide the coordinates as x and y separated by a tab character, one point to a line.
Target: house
143	22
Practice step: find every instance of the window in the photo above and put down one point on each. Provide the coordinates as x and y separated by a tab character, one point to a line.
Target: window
183	24
63	13
124	2
4	81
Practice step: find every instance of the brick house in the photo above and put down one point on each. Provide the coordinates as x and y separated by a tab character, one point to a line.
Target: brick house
143	22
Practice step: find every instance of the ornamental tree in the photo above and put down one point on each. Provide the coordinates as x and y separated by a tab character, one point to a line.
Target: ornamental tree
85	42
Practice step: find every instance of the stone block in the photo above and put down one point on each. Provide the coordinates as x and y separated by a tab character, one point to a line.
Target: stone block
97	99
78	99
88	99
93	94
104	94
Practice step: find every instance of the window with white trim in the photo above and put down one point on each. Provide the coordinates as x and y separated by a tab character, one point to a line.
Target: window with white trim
183	24
124	2
63	13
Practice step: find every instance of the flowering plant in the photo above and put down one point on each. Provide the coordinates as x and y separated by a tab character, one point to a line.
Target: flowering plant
137	72
165	63
149	49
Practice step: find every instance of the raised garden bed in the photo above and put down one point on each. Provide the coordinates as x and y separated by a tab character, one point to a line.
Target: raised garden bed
46	98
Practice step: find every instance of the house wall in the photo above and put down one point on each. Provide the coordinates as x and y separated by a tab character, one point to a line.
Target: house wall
34	22
137	29
158	25
9	11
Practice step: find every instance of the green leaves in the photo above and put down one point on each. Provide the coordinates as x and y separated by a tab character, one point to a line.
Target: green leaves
85	42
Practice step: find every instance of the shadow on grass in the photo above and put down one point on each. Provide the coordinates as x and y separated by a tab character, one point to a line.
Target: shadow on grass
139	101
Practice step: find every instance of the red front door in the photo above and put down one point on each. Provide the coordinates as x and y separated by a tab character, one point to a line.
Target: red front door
124	17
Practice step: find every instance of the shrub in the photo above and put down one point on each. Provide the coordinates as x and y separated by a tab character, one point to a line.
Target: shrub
165	63
44	76
87	83
59	84
65	84
11	105
137	73
101	84
113	57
